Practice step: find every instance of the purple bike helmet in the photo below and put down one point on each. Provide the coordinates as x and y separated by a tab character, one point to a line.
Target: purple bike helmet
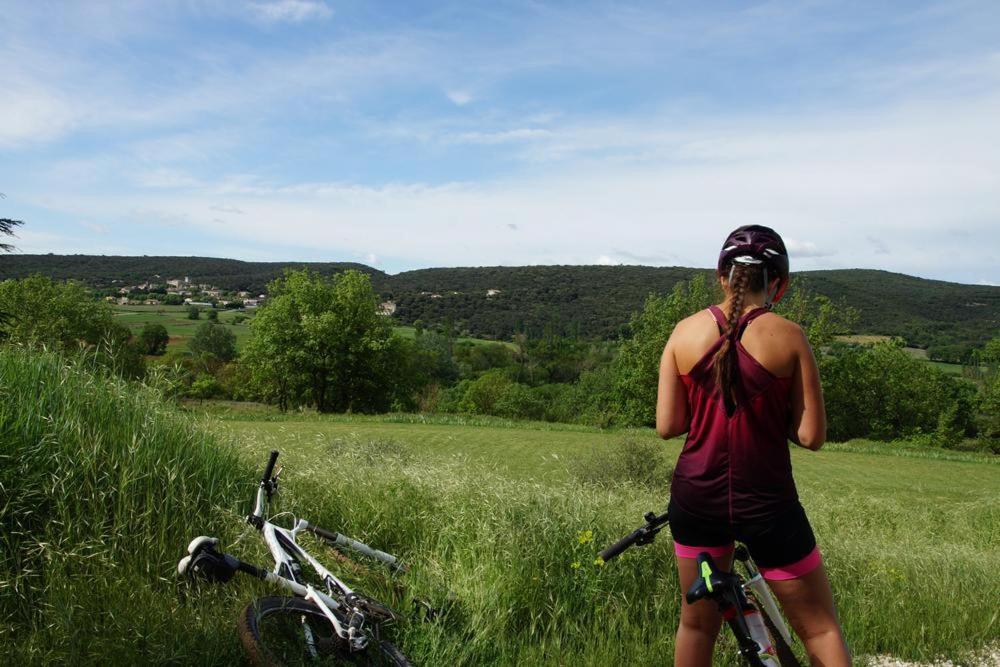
756	245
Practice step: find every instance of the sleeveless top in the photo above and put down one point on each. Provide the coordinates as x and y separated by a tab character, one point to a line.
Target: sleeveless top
735	467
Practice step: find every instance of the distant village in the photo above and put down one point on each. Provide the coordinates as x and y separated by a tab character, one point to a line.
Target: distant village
181	292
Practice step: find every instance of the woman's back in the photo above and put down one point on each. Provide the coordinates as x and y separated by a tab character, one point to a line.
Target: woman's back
735	464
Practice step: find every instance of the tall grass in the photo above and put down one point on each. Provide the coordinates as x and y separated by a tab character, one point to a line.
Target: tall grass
513	560
101	486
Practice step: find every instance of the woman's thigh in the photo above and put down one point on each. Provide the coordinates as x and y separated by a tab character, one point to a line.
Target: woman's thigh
808	603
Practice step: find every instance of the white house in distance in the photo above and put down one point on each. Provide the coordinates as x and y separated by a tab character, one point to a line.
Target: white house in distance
491	293
387	308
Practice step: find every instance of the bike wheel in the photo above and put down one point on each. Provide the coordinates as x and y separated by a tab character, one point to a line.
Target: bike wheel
292	631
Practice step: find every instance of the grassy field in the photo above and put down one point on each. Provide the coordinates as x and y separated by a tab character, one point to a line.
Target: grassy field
175	320
906	536
105	485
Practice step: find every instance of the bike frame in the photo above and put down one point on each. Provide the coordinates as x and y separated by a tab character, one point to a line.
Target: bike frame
288	555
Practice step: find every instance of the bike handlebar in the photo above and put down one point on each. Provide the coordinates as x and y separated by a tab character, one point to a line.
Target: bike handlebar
270	467
638	537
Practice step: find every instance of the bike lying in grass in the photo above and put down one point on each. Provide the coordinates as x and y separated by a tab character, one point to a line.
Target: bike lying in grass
331	626
747	606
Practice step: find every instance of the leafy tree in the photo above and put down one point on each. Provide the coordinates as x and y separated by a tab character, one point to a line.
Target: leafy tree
205	386
173	300
194	312
637	366
989	399
212	315
882	392
215	341
820	317
7	229
324	340
52	314
153	339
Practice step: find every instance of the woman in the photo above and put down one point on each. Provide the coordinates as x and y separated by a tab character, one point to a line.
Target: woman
740	381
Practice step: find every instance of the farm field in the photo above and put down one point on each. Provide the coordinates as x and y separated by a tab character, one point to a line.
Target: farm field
487	509
181	329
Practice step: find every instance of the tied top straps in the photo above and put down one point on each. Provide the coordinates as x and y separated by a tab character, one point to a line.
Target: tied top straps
741	324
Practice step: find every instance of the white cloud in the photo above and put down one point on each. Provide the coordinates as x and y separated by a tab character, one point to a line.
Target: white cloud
804	249
502	136
459	97
290	11
33	113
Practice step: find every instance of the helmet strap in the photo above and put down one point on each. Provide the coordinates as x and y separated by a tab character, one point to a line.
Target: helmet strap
769	294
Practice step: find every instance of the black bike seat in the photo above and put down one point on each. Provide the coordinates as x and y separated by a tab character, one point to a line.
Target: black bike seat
711	581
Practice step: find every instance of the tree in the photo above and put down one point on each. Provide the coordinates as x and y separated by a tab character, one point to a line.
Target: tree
636	369
45	313
153	339
215	341
194	312
322	340
7	229
820	318
212	315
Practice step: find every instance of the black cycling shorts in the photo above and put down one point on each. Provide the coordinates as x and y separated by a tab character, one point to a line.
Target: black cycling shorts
783	546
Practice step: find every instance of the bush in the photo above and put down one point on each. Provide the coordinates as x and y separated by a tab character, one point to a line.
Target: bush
193	313
881	392
153	339
628	461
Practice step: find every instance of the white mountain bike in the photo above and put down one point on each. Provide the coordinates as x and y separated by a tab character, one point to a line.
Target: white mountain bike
330	626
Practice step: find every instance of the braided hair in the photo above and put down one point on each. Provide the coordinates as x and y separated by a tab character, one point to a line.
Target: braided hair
743	278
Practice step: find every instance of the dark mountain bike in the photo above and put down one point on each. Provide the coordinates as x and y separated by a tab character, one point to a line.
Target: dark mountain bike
747	605
332	626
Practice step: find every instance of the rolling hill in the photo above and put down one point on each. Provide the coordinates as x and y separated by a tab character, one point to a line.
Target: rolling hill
587	301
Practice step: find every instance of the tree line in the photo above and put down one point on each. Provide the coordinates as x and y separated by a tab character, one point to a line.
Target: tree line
320	342
948	320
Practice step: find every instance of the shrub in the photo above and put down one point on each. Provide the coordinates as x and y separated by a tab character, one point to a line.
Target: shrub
881	392
630	461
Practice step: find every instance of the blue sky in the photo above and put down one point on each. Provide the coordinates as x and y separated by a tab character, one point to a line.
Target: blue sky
412	134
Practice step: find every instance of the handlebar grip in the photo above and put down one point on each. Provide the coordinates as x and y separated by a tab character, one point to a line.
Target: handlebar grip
621	545
270	467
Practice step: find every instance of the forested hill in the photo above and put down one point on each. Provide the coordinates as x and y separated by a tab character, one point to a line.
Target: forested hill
589	301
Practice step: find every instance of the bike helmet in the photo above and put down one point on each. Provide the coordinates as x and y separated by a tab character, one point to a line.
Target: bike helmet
757	245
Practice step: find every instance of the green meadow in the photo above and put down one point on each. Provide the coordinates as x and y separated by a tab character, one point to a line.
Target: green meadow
181	329
105	484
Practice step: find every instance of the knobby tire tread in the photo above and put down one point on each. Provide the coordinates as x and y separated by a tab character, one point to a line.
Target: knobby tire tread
260	656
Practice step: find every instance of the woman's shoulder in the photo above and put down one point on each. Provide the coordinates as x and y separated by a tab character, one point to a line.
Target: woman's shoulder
776	326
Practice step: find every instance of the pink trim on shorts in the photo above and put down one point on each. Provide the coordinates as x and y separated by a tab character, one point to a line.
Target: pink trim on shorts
683	551
799	568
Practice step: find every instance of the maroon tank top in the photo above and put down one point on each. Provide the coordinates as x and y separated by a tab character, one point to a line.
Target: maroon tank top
735	467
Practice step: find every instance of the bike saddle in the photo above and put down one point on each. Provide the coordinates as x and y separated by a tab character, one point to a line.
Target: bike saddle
204	560
711	581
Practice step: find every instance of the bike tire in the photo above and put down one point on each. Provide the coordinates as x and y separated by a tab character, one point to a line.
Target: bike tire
273	632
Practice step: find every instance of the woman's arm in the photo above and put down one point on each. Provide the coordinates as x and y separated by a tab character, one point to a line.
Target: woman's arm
808	426
672	418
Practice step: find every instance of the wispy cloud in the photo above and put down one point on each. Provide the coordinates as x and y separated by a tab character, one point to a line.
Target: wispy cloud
290	11
459	97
